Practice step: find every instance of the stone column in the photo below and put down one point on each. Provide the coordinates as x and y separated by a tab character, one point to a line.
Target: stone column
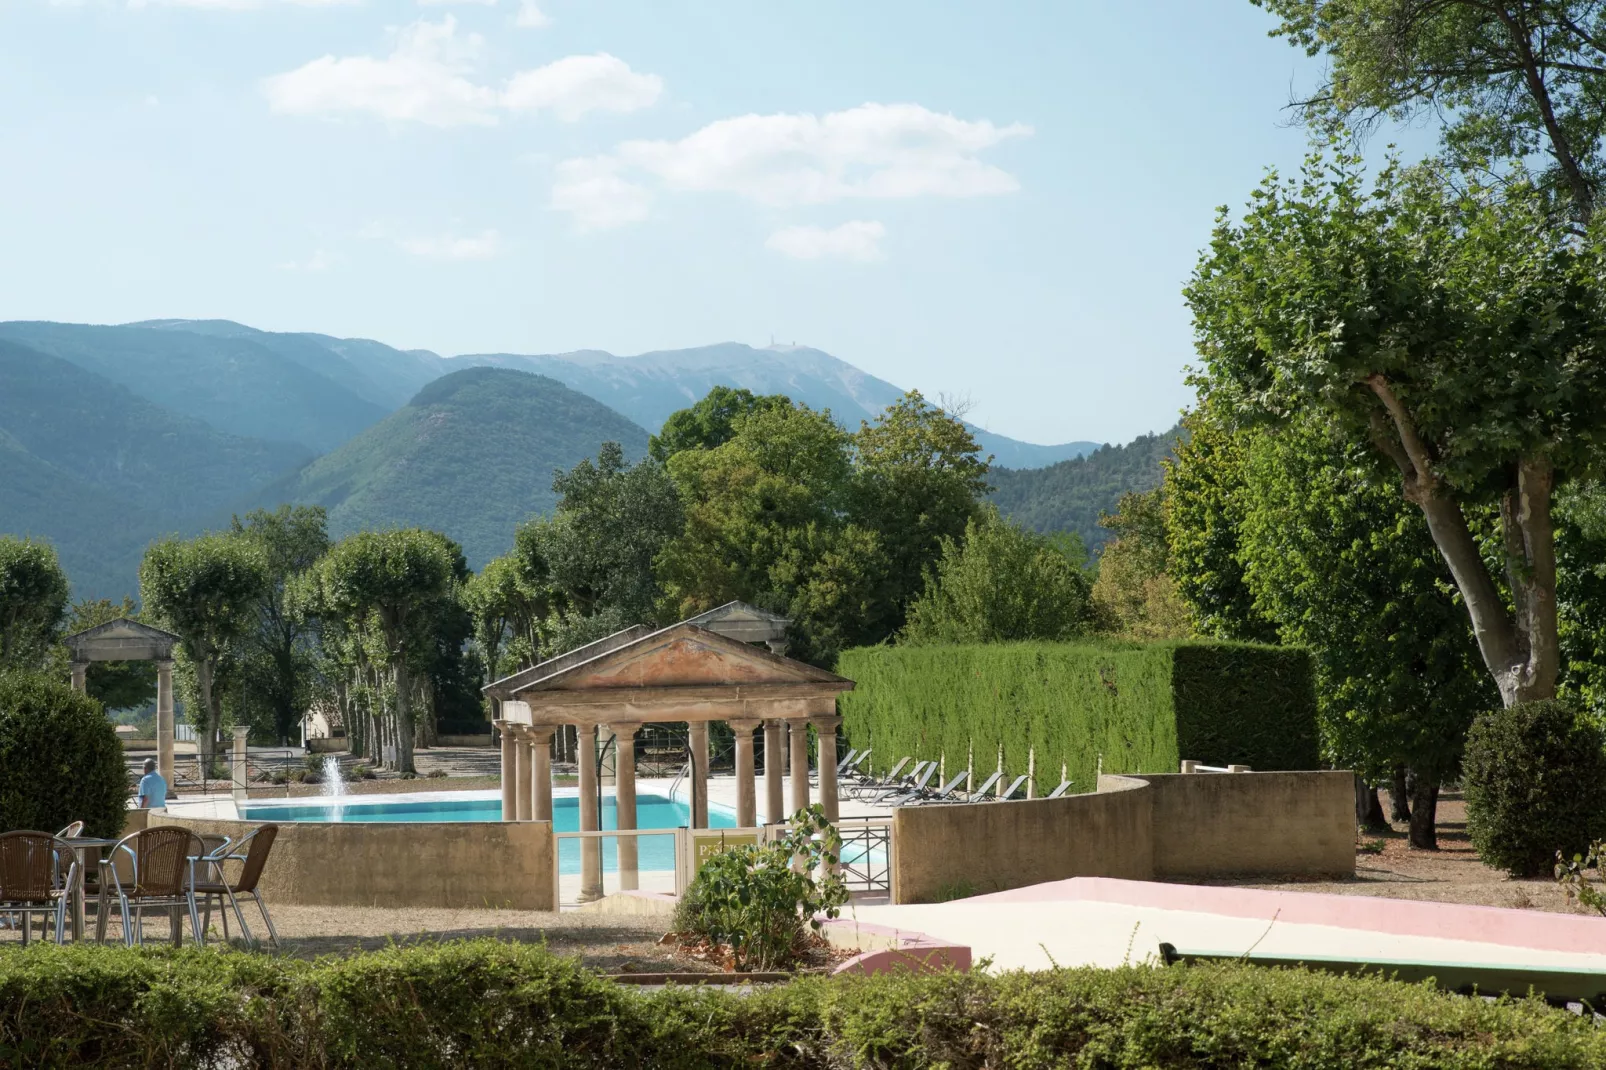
800	764
590	818
80	676
697	735
541	777
238	766
746	802
523	767
774	767
164	722
510	765
826	728
625	803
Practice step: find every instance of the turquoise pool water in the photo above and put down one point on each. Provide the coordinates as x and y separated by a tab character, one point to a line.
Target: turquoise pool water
652	812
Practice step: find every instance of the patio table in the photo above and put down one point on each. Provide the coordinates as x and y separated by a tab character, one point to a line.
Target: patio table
86	848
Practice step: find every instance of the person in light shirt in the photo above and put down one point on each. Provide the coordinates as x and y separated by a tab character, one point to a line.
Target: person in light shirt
152	788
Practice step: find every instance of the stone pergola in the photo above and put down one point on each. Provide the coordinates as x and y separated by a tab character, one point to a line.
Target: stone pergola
129	640
688	672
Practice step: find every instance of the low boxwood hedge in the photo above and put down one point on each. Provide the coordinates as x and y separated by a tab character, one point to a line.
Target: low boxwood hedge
491	1004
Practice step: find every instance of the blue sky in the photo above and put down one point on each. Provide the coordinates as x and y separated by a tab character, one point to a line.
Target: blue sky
997	202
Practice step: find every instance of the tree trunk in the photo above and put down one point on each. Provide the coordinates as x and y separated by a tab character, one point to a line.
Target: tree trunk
1368	808
404	720
207	745
1399	793
1424	812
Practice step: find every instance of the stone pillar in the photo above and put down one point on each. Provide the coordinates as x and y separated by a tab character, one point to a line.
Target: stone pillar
590	817
800	764
697	740
625	803
746	801
238	766
523	767
541	777
164	722
826	728
80	676
774	767
510	765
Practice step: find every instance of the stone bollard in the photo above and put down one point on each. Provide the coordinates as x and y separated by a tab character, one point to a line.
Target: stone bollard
238	764
1239	769
1190	767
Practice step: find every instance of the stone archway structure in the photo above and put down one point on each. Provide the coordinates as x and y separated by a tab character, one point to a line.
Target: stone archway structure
129	640
683	673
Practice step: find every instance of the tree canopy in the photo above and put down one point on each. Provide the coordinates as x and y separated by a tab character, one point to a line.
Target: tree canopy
33	601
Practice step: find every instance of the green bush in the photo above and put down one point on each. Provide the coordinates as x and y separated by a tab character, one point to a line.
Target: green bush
1535	781
60	760
761	900
495	1005
1142	707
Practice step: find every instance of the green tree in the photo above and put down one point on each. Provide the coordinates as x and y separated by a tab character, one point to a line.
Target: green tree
119	685
711	422
276	657
33	600
206	590
1581	594
1455	330
1002	583
385	591
506	616
1134	594
1347	568
917	481
1512	80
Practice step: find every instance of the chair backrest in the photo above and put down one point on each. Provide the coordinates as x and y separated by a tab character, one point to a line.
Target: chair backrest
987	785
74	828
892	774
863	757
261	840
1013	788
845	762
925	778
948	788
1064	786
27	866
161	860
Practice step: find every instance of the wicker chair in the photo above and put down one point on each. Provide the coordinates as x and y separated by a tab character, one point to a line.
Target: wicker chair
74	828
151	868
251	850
28	879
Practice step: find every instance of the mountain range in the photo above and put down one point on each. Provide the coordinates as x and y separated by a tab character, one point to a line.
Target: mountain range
113	435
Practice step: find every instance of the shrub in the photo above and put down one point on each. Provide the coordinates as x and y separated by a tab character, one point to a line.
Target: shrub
1141	707
1535	781
760	900
495	1005
60	760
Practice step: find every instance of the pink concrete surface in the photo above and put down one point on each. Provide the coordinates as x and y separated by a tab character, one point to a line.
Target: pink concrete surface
915	952
1401	917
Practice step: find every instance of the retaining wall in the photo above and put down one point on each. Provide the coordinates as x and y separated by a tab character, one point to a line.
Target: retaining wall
454	865
1149	827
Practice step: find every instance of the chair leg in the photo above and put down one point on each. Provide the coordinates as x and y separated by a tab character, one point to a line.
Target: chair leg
245	930
195	921
27	927
273	934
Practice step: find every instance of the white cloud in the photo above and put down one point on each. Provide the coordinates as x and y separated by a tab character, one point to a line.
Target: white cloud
444	3
531	17
592	191
874	151
318	261
482	246
430	77
422	80
859	240
575	85
231	5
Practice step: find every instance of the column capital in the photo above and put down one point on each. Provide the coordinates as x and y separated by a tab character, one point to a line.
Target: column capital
164	664
78	666
541	734
626	729
744	724
826	722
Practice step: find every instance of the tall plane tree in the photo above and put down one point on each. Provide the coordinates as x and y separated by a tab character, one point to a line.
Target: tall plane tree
1456	330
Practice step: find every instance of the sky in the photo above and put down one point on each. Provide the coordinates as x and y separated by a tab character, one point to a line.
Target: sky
995	203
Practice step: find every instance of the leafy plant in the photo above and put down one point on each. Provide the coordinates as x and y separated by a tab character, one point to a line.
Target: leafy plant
1573	876
762	900
1535	782
60	760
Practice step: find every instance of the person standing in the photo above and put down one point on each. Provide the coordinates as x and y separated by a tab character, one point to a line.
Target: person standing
152	788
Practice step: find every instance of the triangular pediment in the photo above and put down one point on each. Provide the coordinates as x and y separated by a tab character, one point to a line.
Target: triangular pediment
121	639
685	656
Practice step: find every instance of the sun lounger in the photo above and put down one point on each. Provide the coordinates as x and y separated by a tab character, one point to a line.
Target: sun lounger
872	785
913	791
986	786
1061	790
1013	788
948	793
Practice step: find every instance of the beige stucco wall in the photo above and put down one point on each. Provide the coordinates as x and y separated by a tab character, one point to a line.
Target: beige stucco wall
948	851
1296	824
382	864
1135	827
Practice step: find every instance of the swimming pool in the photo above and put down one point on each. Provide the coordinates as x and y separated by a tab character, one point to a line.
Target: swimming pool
652	812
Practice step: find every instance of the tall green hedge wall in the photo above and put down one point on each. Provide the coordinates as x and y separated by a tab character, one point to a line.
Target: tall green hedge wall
1142	707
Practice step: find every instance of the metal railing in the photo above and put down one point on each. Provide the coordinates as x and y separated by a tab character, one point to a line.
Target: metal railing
866	859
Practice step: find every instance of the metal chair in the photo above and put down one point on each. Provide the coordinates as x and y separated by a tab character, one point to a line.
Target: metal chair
151	868
251	850
917	787
74	828
922	796
29	879
872	785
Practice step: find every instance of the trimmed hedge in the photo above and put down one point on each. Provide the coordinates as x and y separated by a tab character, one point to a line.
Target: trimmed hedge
489	1004
60	759
1141	706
